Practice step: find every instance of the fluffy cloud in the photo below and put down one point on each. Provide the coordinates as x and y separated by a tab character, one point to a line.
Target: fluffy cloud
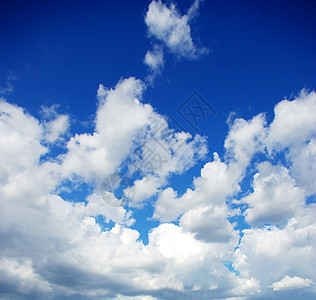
20	140
209	224
56	128
210	189
85	248
143	189
270	253
168	26
120	117
244	140
154	58
219	180
275	199
293	130
294	121
291	283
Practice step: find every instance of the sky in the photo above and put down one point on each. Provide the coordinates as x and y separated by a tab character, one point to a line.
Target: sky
157	150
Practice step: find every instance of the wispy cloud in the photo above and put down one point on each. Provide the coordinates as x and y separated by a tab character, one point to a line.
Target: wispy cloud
8	87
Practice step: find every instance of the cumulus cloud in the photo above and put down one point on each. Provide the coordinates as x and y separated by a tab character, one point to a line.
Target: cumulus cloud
56	128
20	140
291	283
209	224
168	26
268	253
293	130
51	247
106	147
275	199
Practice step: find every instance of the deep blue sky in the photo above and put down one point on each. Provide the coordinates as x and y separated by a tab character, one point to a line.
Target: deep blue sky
260	52
60	51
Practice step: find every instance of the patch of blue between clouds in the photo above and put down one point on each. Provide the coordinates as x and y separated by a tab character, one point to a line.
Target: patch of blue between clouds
229	265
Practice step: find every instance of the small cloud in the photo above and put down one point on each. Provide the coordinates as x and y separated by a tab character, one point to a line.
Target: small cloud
8	88
56	128
173	30
55	125
154	59
291	283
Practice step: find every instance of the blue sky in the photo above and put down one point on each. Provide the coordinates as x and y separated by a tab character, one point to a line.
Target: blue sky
87	88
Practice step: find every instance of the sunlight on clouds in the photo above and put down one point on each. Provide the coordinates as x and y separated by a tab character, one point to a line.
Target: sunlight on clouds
291	283
154	59
293	128
85	246
168	26
275	198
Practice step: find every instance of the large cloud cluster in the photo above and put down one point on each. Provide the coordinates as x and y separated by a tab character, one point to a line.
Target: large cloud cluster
244	229
54	248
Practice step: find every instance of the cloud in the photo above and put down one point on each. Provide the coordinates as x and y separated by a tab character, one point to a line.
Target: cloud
293	129
56	128
173	30
167	206
55	125
141	297
209	224
275	198
291	283
268	253
218	179
119	118
211	188
244	140
59	244
8	88
154	59
20	140
20	274
294	121
143	189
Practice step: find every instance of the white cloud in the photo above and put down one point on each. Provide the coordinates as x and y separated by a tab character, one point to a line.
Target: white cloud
168	26
218	179
294	121
143	189
167	206
57	248
20	140
209	224
122	122
141	297
294	130
154	58
56	128
291	283
120	117
275	198
270	253
244	140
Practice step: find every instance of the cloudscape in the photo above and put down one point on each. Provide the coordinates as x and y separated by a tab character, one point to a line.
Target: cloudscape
157	150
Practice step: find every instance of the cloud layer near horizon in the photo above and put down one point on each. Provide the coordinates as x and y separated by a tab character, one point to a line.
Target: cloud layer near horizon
55	248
